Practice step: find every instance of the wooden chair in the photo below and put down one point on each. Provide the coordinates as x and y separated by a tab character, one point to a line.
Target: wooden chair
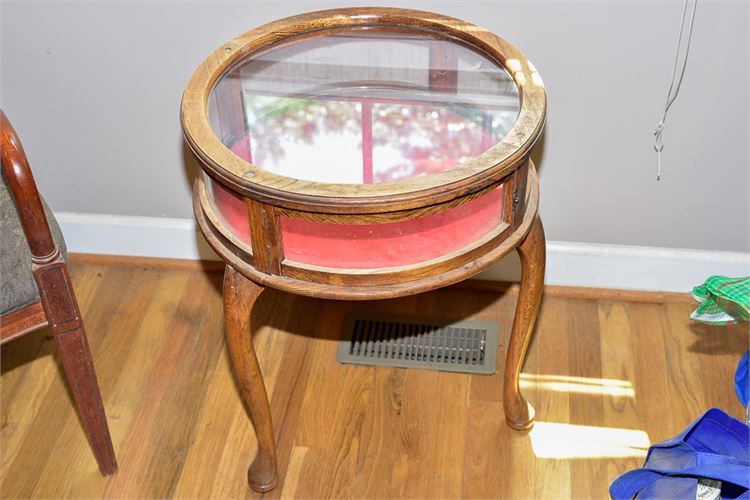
36	290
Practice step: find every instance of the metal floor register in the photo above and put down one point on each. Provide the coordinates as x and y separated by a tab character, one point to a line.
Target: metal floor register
430	344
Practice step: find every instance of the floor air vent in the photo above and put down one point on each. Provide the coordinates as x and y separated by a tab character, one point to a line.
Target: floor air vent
406	342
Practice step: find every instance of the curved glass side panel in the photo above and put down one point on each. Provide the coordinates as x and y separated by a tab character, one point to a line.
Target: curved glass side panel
369	246
394	244
229	208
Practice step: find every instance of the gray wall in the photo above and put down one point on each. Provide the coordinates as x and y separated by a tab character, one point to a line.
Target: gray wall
94	90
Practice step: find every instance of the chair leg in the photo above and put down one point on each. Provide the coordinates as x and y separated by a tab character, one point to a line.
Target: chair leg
518	412
240	295
64	317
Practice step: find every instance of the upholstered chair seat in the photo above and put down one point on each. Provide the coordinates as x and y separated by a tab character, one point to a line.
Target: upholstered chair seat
17	285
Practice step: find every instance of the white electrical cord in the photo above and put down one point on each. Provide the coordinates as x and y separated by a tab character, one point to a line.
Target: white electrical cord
674	89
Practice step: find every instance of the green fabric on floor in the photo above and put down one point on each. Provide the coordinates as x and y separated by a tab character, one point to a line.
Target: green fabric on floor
723	300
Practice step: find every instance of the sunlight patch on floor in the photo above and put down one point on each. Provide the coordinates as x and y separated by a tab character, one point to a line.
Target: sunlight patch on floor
584	385
556	440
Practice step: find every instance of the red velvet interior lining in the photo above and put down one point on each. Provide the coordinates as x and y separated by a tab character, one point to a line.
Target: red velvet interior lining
393	244
373	245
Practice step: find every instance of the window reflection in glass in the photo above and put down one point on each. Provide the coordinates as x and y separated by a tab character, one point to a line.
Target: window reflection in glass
366	106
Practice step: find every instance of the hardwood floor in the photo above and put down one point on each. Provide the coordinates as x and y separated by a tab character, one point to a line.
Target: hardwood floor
608	373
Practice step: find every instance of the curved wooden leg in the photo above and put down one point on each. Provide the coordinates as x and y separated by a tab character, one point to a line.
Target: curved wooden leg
518	413
240	294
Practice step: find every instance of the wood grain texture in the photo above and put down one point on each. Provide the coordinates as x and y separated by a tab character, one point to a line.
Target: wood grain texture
21	322
354	285
135	260
240	295
265	236
476	285
57	299
27	392
475	174
20	179
395	216
576	292
520	195
266	195
532	252
599	366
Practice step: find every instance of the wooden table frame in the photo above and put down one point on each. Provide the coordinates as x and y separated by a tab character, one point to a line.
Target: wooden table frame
251	268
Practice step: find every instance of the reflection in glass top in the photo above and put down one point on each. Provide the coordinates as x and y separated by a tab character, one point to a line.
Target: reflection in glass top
363	106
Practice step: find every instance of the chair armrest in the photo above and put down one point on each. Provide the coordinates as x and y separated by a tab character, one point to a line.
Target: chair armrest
21	181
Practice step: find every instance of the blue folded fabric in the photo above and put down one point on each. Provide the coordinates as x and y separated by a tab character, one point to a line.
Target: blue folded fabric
741	381
716	446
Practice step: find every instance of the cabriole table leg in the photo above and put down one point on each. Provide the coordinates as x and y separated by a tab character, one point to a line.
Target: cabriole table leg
240	295
518	413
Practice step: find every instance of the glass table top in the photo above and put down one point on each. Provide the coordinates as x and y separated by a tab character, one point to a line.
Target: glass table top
363	106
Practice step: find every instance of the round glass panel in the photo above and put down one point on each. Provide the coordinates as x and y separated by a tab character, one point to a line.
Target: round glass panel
362	106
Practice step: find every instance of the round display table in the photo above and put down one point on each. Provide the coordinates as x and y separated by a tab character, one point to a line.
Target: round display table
365	154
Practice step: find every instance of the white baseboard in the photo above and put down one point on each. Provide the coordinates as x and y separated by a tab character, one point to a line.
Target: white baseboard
131	235
568	263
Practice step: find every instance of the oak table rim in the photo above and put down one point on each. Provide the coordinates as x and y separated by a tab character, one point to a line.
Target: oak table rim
231	254
242	177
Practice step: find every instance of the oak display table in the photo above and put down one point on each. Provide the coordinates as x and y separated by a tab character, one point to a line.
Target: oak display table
365	154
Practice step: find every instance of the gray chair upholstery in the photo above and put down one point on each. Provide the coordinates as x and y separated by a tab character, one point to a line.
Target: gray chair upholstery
17	285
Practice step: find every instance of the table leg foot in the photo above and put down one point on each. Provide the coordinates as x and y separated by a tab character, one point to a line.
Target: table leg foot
261	477
519	414
240	294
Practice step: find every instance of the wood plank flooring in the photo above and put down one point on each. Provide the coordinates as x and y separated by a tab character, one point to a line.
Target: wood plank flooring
608	373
